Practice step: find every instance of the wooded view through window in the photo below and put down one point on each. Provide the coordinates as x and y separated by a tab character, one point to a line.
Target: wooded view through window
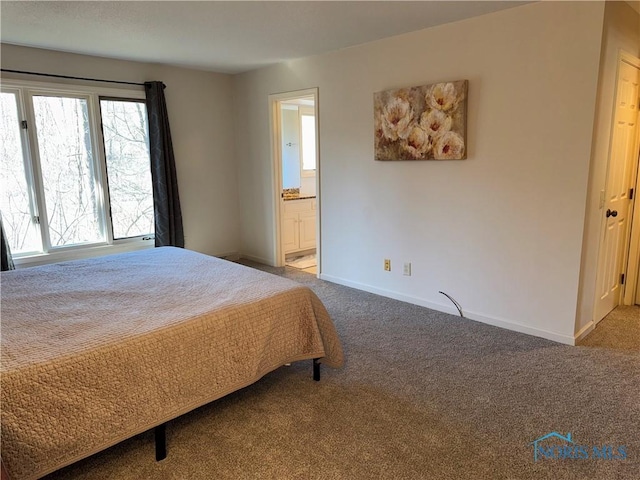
75	170
126	142
67	165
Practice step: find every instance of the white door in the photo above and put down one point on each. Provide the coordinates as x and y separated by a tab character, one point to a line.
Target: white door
614	246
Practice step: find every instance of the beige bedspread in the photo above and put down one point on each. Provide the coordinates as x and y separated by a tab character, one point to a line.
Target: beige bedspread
96	351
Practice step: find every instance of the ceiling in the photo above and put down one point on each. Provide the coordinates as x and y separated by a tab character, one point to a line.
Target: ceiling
221	36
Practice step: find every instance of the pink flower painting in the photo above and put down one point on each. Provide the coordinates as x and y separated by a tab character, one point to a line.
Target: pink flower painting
421	123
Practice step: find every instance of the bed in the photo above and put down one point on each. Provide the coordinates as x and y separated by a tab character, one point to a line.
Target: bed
96	351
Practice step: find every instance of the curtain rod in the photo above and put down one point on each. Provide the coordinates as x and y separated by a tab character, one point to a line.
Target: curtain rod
71	78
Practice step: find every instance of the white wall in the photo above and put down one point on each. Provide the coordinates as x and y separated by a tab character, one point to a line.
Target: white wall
502	231
200	107
308	185
621	32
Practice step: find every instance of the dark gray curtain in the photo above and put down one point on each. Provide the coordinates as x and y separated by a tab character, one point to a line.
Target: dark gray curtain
166	201
7	261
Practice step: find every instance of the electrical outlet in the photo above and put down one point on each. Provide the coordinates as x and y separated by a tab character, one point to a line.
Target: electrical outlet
407	269
387	265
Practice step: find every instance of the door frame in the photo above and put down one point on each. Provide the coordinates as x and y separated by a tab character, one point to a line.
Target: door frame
276	160
627	294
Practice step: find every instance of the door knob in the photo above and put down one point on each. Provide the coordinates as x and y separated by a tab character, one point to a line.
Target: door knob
612	213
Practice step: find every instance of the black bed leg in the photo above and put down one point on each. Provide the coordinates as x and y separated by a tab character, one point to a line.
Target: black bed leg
316	370
161	442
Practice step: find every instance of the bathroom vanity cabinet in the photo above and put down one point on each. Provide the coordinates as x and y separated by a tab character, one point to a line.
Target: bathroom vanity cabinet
299	225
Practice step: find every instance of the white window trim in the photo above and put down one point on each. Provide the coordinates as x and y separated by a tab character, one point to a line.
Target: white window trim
82	252
92	93
128	92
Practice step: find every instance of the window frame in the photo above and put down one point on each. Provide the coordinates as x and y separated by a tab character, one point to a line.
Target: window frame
103	151
27	164
25	91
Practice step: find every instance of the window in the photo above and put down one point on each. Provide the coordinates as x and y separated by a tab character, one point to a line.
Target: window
75	170
308	140
126	143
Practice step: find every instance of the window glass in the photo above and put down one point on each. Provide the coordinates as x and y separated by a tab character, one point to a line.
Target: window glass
126	143
308	123
68	177
17	216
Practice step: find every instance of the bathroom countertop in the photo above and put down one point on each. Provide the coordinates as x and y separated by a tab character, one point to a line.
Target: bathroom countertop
301	197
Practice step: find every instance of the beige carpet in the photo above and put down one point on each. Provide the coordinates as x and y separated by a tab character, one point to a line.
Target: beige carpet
619	330
423	395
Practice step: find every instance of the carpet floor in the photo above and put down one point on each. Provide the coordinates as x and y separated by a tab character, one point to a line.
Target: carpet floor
619	330
423	395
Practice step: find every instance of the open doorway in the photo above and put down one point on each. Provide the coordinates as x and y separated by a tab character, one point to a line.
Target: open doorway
295	144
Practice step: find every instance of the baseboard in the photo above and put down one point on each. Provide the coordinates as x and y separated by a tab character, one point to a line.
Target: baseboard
233	256
253	258
496	322
584	331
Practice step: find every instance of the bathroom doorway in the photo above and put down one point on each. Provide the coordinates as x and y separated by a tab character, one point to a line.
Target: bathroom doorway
294	128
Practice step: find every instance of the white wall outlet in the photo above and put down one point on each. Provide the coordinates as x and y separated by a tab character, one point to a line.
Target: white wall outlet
387	265
407	269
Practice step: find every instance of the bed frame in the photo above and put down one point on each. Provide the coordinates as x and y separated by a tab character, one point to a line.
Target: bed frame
160	432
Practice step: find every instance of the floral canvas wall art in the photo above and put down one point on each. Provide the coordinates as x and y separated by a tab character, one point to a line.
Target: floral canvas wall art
421	123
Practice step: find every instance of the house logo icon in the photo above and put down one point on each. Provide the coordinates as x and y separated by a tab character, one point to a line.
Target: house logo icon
555	446
565	438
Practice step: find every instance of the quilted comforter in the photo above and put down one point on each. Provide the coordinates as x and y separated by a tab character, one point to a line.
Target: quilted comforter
96	351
